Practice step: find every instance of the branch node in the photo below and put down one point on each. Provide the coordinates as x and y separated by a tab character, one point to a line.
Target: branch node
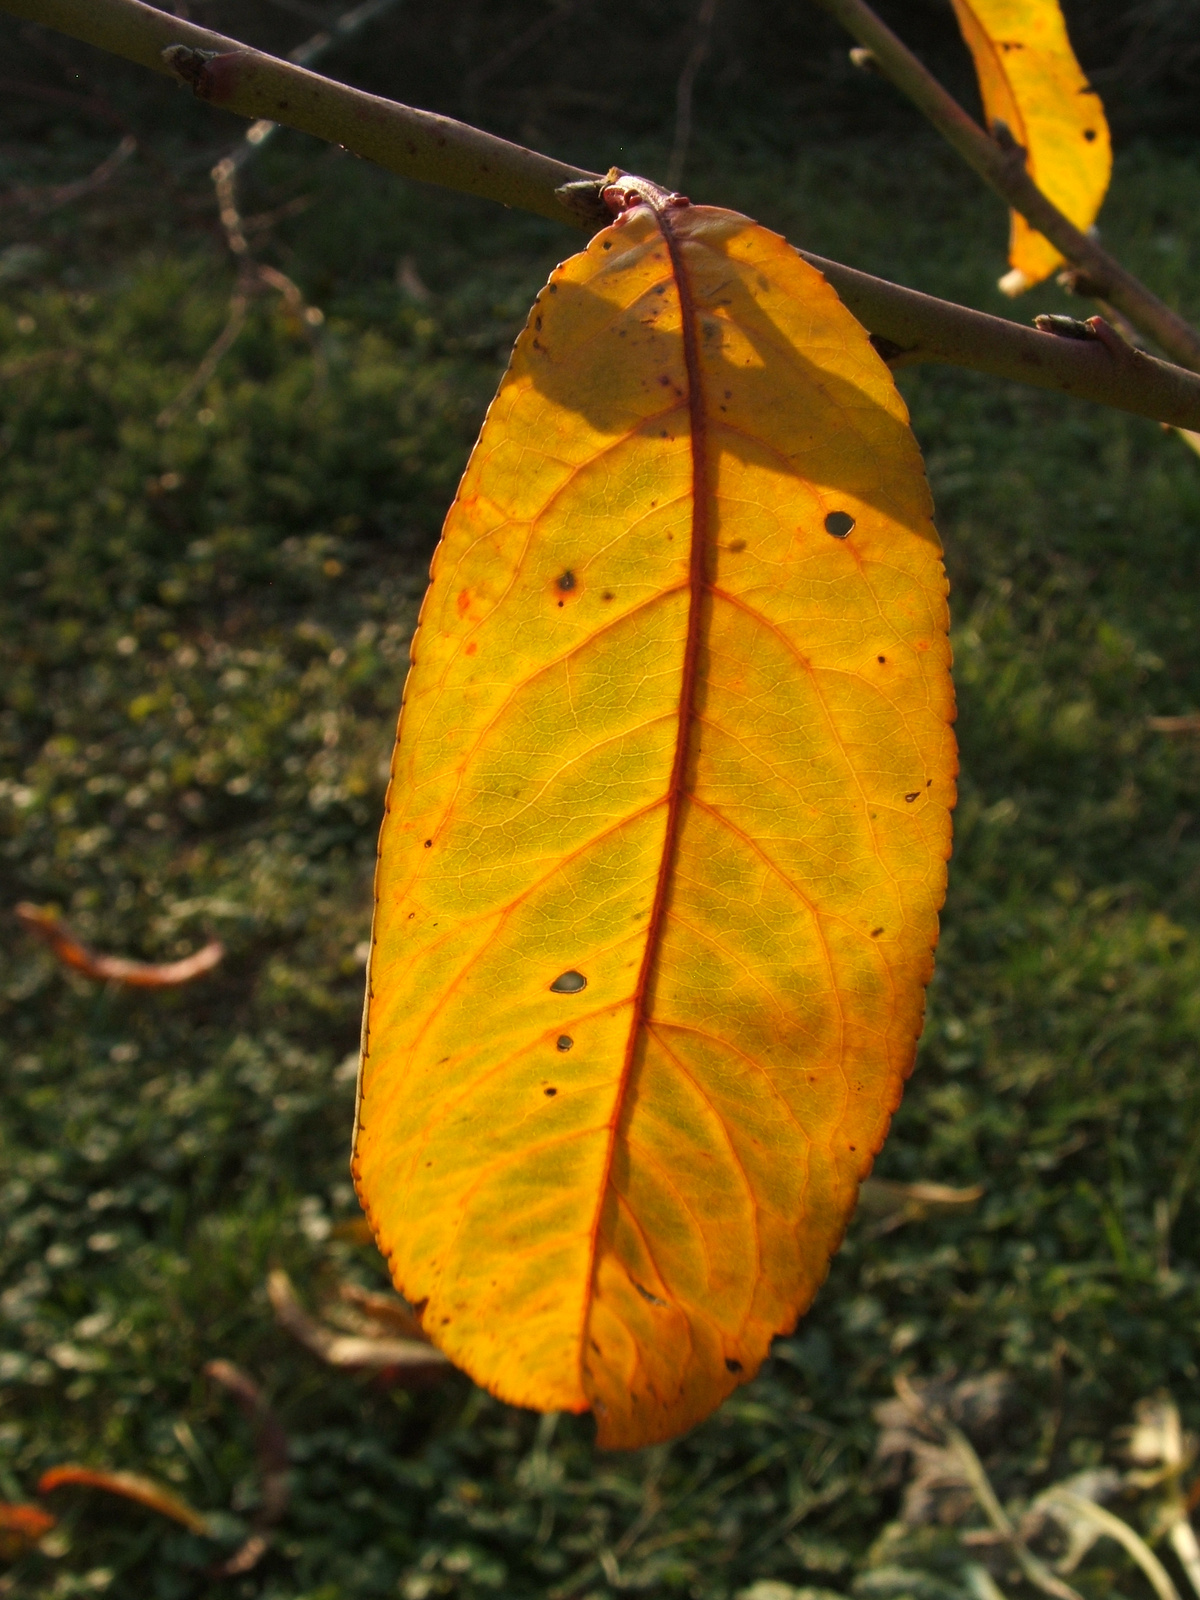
1075	280
888	350
186	64
1111	338
1064	327
206	71
582	198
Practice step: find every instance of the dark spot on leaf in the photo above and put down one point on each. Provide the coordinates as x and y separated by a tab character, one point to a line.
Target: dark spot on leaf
550	1091
607	595
731	1365
607	245
909	798
839	523
875	932
567	582
565	1041
568	983
537	322
882	660
737	546
646	1295
429	844
1089	134
593	1343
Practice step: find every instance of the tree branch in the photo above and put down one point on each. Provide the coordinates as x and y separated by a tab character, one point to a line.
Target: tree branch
416	144
1004	169
908	327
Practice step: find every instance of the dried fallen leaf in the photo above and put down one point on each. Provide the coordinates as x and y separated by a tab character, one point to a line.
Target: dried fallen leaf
894	1204
666	834
343	1349
1031	82
21	1526
271	1447
387	1310
130	1486
49	927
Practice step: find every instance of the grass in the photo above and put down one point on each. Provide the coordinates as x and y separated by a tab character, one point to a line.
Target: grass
203	632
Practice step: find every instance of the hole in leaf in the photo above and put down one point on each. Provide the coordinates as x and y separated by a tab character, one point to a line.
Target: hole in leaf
646	1295
565	1041
839	523
567	582
731	1365
568	983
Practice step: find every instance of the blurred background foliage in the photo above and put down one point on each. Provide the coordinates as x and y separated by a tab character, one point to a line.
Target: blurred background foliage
203	634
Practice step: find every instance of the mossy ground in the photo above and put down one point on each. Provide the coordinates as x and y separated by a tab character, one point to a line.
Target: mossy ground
203	635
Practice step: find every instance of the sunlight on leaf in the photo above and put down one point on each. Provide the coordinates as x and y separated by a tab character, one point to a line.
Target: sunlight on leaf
1030	80
666	835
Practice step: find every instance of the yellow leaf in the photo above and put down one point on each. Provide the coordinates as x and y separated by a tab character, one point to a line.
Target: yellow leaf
1030	80
666	834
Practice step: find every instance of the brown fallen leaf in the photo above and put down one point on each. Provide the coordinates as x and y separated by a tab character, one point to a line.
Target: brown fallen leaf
130	1486
344	1349
388	1309
1177	725
21	1526
49	927
271	1447
894	1204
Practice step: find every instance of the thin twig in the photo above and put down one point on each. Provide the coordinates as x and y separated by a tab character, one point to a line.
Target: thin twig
252	274
41	201
417	144
515	48
701	44
1002	166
